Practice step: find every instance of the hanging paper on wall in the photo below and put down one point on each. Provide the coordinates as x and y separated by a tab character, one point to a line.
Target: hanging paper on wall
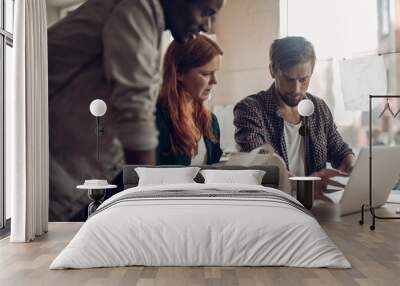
361	77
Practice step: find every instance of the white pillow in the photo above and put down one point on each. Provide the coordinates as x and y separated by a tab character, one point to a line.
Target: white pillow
248	177
165	176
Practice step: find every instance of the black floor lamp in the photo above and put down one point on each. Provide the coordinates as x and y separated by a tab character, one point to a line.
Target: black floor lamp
306	109
305	185
98	108
370	204
97	193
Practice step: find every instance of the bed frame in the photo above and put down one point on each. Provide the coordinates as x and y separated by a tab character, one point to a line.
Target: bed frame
270	179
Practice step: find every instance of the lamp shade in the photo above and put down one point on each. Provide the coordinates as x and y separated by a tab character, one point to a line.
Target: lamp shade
305	107
98	107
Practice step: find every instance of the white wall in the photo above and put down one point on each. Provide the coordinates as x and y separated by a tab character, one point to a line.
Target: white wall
53	15
245	29
57	9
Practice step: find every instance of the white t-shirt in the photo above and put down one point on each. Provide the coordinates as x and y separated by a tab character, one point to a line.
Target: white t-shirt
294	148
201	157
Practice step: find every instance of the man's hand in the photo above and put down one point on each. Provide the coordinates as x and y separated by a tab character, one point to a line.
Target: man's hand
326	175
347	163
145	157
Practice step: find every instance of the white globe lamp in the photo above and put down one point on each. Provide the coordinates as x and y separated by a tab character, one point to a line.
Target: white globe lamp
305	107
98	107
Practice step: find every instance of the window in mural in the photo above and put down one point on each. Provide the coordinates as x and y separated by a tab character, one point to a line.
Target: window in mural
6	61
362	42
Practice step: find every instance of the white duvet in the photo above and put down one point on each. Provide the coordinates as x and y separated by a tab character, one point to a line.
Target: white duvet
200	231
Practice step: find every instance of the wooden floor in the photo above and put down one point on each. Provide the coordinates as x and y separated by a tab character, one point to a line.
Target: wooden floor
374	255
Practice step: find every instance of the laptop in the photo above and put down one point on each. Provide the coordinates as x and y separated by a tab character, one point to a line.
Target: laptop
385	174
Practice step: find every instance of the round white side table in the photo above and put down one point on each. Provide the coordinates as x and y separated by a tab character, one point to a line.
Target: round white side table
96	195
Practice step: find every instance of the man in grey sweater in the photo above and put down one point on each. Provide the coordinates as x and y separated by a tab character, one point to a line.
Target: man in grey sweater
109	49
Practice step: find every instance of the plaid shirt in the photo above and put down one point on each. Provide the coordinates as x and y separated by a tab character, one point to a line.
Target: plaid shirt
257	121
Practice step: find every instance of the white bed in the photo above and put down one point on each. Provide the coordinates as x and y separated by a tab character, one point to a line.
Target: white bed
259	226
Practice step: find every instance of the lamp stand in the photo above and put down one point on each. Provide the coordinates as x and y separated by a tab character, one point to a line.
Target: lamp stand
305	132
99	132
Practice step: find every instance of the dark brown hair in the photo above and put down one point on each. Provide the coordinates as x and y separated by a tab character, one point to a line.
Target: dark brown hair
290	51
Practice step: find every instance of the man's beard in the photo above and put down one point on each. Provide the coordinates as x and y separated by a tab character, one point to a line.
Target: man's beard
290	100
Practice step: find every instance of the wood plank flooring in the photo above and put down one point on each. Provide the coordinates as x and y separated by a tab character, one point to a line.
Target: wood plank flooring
374	255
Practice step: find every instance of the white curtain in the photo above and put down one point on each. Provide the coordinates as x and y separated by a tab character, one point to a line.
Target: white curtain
27	124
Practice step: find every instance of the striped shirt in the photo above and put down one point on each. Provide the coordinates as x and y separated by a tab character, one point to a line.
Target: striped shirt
257	121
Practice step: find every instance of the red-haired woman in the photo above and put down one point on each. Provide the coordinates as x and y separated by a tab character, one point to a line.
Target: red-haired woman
188	131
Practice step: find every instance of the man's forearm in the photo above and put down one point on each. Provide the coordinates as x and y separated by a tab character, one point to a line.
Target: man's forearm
143	157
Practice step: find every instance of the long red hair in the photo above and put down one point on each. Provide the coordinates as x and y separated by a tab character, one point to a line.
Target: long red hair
189	120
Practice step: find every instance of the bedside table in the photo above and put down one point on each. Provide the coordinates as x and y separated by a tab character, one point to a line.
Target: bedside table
305	190
96	193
